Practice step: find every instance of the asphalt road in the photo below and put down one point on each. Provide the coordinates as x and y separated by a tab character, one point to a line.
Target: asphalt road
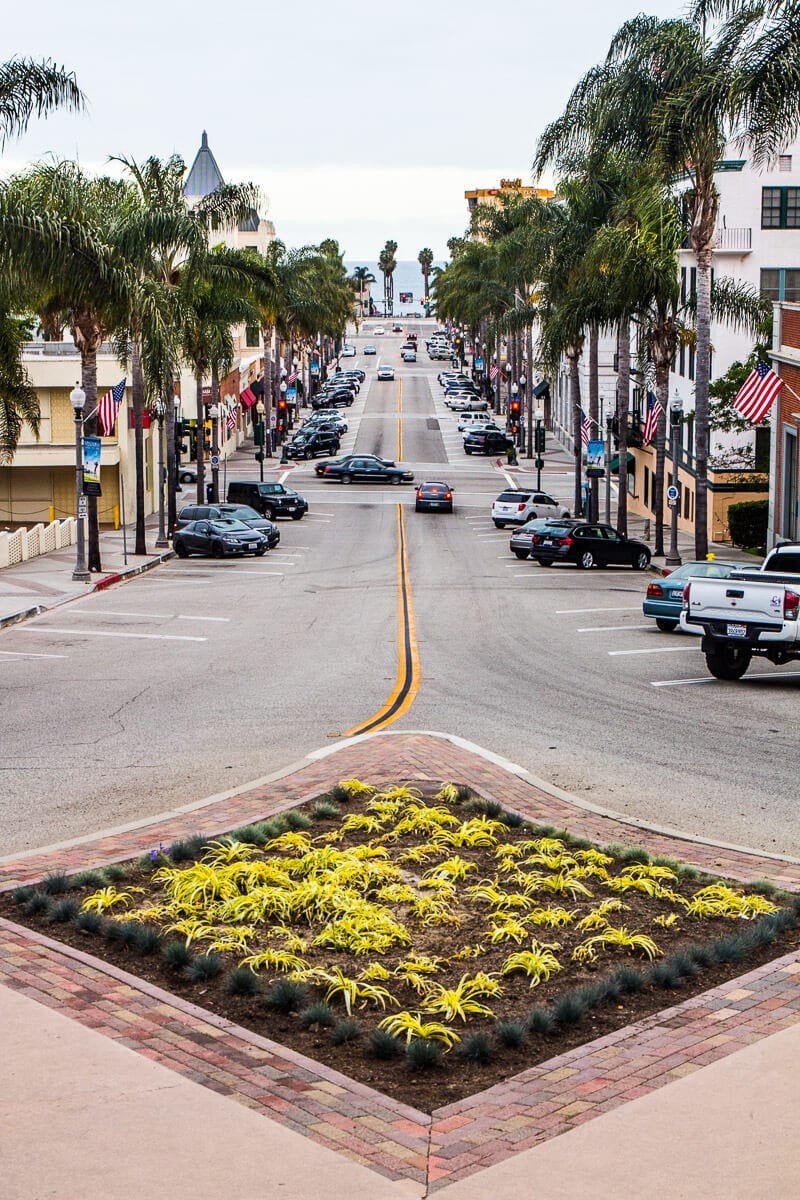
203	675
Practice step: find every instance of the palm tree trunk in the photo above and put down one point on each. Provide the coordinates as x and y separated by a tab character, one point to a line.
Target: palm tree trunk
623	400
266	335
573	354
529	391
169	425
137	390
90	429
201	435
701	381
594	410
662	395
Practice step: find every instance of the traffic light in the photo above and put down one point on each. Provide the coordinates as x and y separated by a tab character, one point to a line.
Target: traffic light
515	408
539	445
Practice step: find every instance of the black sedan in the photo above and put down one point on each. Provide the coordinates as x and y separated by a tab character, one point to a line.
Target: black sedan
365	468
522	537
486	441
237	512
338	395
588	545
219	538
434	496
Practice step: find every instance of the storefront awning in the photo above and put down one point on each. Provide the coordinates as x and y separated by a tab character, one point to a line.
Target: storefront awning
615	462
541	389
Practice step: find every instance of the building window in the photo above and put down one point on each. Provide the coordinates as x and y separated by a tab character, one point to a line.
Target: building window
784	162
789	498
251	336
647	487
780	283
692	354
683	285
682	360
780	208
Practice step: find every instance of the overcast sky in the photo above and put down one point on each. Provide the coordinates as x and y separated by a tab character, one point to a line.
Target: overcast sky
360	122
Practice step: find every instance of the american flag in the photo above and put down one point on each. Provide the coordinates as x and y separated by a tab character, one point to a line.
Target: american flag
291	378
108	408
584	428
231	418
494	371
754	399
654	410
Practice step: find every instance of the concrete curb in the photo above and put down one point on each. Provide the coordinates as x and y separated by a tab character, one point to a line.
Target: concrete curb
106	581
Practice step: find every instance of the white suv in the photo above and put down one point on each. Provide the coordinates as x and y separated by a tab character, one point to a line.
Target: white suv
517	507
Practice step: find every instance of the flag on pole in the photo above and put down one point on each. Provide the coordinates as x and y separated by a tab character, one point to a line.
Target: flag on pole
756	395
584	428
494	371
233	412
248	397
291	378
108	408
654	410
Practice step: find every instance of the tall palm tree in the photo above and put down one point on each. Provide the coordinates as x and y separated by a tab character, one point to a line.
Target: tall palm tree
387	264
425	260
362	276
29	89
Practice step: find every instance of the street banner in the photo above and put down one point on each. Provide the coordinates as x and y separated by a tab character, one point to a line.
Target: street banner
91	466
595	458
291	394
315	368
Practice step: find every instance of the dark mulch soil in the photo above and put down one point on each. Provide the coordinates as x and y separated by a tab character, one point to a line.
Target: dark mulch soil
454	1077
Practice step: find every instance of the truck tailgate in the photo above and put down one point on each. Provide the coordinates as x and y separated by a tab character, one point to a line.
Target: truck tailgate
737	600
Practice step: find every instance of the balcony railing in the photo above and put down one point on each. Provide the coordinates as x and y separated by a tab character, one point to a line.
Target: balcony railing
735	240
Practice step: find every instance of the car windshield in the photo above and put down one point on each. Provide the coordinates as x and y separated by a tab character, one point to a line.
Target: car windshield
229	525
270	489
716	570
512	498
240	513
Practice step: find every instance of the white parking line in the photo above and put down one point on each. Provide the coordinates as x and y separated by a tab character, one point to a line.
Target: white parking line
656	650
611	628
571	612
711	679
30	654
109	612
152	637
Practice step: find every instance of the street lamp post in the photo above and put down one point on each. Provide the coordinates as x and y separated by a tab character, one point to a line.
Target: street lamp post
282	413
77	399
213	413
609	424
539	447
260	409
159	411
673	558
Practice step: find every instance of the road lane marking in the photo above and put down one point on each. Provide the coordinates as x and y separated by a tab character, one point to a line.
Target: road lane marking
655	650
110	612
611	628
408	666
151	637
30	654
400	419
713	679
571	612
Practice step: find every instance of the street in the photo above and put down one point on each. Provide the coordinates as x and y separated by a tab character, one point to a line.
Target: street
203	675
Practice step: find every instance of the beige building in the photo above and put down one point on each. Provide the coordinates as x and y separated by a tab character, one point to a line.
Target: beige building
508	187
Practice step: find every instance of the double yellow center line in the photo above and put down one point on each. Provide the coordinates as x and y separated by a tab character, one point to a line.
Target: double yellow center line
408	669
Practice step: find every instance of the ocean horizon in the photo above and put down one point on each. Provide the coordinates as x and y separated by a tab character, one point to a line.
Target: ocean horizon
407	278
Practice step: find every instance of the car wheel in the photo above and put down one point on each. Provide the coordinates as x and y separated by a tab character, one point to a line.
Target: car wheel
467	450
261	552
181	550
545	562
566	514
499	524
665	625
586	560
217	550
521	553
297	516
347	479
642	561
395	479
728	662
417	508
269	513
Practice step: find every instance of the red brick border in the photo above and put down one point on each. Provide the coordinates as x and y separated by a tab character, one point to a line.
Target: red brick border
396	1141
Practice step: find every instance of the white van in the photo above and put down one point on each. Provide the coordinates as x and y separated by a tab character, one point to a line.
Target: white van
467	419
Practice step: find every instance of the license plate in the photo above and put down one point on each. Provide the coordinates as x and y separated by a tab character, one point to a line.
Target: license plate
547	542
737	631
676	595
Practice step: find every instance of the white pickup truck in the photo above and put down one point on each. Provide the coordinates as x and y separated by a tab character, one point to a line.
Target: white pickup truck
750	612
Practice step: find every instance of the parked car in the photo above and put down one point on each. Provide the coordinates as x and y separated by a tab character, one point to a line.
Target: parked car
481	425
588	545
187	475
313	444
514	507
522	539
271	499
486	441
409	356
365	468
385	372
335	395
474	420
370	349
218	538
235	512
664	599
434	496
326	418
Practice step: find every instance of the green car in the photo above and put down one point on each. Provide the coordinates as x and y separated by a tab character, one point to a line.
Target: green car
664	599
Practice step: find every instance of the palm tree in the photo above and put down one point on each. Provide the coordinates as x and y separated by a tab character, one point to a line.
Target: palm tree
29	89
387	264
425	260
362	276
